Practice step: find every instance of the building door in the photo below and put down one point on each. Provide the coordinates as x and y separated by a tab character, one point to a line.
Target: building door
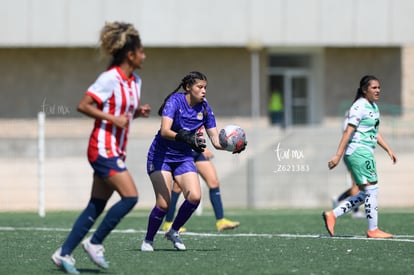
293	85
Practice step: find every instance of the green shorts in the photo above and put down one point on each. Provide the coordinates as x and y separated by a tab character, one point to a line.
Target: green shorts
362	165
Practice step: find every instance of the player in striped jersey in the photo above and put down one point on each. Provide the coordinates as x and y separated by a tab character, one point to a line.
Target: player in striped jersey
113	100
170	155
358	143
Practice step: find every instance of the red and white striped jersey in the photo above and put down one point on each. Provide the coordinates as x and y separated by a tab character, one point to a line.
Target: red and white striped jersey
117	95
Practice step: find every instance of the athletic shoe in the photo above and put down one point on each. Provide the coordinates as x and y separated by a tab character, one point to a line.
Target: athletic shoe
224	224
335	202
174	237
95	252
146	246
167	225
330	220
66	262
358	215
378	234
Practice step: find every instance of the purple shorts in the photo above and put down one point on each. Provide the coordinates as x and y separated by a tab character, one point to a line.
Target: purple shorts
176	168
199	156
106	167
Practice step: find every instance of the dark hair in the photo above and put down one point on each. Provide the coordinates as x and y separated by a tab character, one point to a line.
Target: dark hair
117	39
189	80
363	85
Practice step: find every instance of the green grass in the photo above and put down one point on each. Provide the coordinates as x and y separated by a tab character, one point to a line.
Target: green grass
267	242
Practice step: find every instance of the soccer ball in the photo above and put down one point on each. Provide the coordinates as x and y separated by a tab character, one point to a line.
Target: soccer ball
232	138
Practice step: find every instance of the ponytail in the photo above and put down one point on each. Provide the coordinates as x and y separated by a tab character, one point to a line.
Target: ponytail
363	86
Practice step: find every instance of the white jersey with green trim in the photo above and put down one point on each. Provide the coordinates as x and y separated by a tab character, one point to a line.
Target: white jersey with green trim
365	116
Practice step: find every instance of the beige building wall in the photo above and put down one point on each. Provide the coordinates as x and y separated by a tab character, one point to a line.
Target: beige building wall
54	80
344	68
407	93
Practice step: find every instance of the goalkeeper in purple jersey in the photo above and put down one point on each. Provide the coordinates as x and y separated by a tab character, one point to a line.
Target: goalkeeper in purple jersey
170	154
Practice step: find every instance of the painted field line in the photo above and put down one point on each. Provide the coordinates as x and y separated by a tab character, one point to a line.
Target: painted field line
397	238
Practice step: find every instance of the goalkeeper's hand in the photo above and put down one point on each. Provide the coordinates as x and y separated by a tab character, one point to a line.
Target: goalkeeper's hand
241	149
196	140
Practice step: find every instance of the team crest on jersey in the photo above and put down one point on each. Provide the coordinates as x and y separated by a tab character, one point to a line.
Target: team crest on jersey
200	116
120	163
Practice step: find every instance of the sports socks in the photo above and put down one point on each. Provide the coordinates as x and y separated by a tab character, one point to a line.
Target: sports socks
344	196
184	213
154	222
371	206
350	203
113	217
82	225
173	203
215	199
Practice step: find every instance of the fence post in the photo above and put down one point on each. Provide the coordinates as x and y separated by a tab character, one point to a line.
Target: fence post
40	162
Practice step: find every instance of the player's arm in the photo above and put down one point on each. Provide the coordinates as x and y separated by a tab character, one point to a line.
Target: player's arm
381	142
143	111
165	131
87	106
349	130
214	138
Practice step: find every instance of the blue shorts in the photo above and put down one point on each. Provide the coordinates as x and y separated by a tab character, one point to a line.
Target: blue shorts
176	168
199	157
106	167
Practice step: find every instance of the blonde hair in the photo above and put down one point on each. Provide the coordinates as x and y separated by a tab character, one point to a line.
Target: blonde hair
117	38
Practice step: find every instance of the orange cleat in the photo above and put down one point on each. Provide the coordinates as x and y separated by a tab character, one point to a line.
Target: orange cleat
378	234
330	220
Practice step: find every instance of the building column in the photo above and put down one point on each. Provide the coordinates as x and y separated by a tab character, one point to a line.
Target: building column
407	93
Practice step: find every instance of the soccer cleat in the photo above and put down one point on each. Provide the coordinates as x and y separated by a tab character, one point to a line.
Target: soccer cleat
66	262
146	246
330	220
174	237
224	224
56	258
378	234
95	252
167	225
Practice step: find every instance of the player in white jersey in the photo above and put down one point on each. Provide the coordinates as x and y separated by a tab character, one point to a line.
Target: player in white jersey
113	101
353	188
358	143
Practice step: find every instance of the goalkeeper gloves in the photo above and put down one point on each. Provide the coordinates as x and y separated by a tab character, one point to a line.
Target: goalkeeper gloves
241	149
195	140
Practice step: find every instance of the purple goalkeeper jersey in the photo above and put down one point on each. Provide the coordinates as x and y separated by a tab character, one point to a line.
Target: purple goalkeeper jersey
184	117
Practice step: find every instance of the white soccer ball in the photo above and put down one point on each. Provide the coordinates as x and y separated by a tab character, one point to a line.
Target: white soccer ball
232	138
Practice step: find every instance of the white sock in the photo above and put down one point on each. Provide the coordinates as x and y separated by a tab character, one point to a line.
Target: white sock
371	206
349	204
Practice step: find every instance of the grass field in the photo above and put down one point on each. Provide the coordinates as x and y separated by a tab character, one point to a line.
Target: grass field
267	242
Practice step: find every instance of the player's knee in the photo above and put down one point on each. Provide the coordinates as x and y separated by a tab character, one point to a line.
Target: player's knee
163	205
212	184
130	202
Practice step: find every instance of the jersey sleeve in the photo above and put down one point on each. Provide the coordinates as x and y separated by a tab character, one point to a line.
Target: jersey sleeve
138	82
102	89
355	114
169	107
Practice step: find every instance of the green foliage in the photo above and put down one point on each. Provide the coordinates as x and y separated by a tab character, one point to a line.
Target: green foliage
267	242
